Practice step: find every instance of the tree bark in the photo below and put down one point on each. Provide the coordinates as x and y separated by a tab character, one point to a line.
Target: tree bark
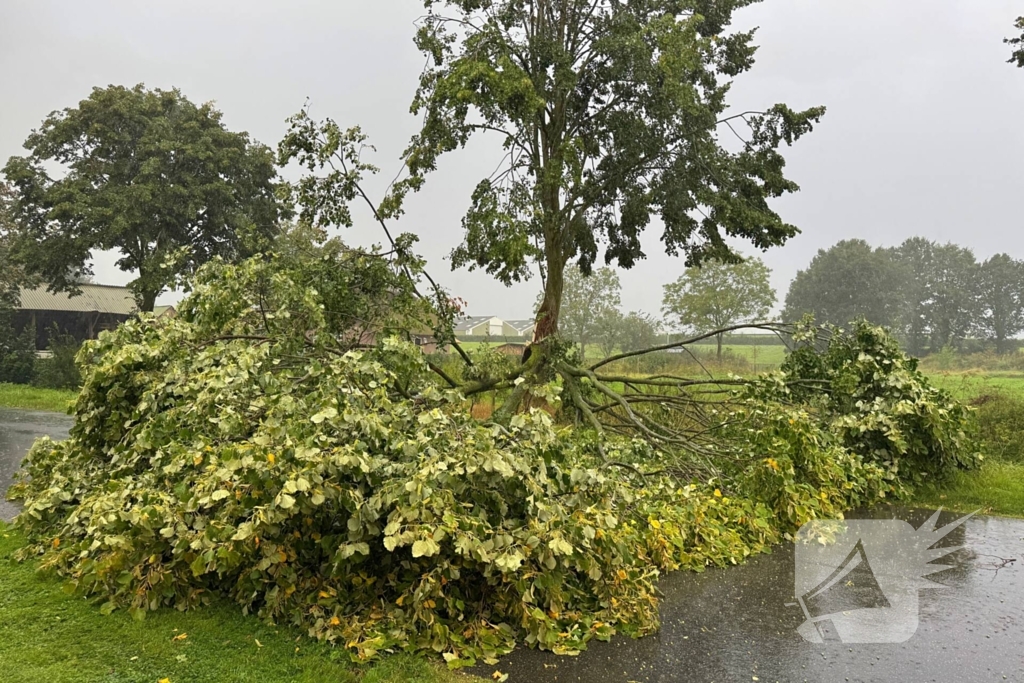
719	338
148	301
546	323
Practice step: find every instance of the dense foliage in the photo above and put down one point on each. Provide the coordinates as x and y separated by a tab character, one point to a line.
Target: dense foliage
878	404
249	448
144	172
17	351
590	306
718	294
611	115
933	295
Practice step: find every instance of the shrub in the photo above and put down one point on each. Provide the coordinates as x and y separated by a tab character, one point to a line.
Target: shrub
880	406
59	371
1000	424
17	352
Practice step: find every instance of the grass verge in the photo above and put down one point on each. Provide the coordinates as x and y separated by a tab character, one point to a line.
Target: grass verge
48	636
35	398
996	488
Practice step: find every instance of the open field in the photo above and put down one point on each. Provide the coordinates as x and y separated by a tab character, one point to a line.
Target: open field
766	354
997	487
47	636
34	398
972	383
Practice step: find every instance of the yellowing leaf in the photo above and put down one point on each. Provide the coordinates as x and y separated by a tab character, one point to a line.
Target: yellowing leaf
180	636
335	621
425	548
718	493
270	458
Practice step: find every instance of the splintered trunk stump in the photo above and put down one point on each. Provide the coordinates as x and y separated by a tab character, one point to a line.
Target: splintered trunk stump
547	315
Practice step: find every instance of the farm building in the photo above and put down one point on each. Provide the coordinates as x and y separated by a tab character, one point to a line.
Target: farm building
512	349
523	327
97	308
485	326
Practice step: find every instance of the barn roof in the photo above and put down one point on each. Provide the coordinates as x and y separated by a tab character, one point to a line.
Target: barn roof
471	322
521	326
93	299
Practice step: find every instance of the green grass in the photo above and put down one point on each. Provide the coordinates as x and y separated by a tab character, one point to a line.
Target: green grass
765	354
48	636
34	398
971	384
996	488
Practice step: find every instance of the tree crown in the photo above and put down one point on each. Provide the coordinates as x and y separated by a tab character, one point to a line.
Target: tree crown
611	115
144	172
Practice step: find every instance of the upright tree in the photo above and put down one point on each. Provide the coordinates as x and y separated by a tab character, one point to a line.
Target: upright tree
952	284
1001	295
848	281
144	172
1017	57
590	305
716	294
913	260
638	330
11	275
611	114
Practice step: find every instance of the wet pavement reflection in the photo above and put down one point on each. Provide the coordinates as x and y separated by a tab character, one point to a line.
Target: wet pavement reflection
18	429
740	624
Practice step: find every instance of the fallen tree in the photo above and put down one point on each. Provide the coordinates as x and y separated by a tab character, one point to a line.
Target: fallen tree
246	449
276	444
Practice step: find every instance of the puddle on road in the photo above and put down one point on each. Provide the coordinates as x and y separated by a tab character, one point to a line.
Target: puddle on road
18	430
734	624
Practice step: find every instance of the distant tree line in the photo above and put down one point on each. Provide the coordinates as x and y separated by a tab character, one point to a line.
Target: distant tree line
933	295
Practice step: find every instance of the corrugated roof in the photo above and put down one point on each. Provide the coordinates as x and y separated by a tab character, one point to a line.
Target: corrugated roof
520	326
94	298
471	322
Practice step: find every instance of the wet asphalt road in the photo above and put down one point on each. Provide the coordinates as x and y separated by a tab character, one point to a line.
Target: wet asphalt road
735	624
18	429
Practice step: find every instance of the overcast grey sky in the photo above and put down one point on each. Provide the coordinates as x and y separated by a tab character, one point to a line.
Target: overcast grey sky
923	136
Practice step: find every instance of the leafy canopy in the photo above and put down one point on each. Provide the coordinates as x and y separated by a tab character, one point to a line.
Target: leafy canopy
848	281
144	172
240	449
1018	54
590	305
611	115
1001	299
12	275
717	294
